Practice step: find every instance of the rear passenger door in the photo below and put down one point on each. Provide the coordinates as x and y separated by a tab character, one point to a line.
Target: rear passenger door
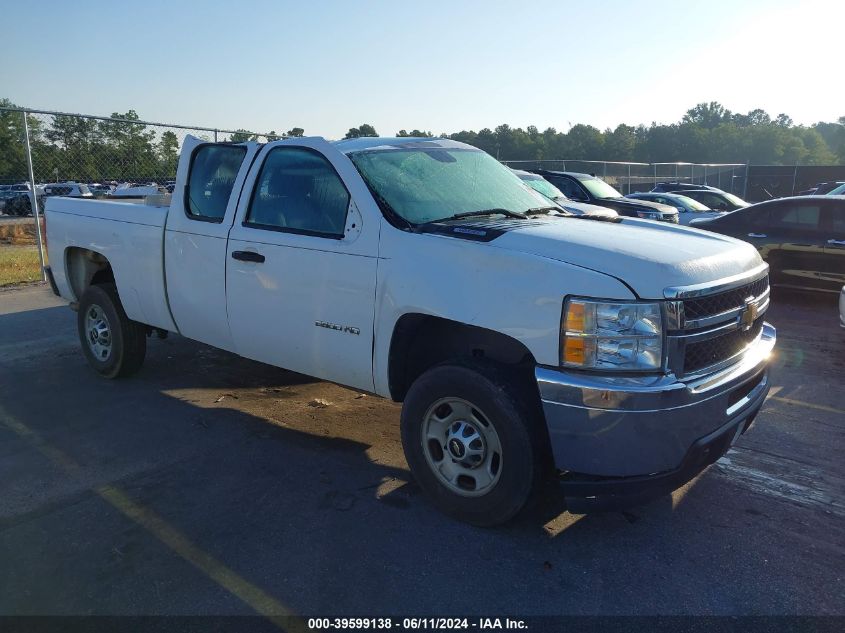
302	258
205	198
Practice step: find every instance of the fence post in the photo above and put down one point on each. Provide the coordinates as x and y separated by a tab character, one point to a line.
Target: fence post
34	194
215	136
794	179
629	178
745	184
655	174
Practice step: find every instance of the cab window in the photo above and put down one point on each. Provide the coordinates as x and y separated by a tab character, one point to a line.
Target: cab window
298	191
211	178
570	189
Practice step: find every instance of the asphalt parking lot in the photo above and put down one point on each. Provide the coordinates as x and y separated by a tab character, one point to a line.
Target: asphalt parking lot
208	484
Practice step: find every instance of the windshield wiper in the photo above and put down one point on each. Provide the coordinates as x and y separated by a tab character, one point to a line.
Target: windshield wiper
471	214
542	210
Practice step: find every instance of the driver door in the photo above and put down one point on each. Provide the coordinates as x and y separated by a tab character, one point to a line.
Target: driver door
301	264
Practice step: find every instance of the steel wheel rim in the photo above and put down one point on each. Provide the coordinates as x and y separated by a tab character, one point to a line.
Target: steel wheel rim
98	333
461	447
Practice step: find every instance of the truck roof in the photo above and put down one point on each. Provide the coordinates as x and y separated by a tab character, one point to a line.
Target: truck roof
348	146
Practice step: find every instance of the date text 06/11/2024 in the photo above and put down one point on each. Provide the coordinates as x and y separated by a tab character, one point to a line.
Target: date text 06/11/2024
416	623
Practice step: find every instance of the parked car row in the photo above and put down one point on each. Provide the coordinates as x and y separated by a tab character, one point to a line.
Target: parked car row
587	188
802	238
16	199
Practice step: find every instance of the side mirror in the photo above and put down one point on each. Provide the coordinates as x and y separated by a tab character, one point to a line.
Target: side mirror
681	209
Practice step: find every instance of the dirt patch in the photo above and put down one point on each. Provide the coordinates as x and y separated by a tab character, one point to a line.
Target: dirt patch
17	233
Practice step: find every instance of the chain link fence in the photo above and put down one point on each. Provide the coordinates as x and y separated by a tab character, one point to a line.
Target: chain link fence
44	153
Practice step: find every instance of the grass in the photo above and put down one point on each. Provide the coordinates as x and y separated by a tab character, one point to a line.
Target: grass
19	264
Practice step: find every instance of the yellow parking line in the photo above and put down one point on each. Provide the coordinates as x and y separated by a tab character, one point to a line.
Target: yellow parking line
259	600
244	590
811	405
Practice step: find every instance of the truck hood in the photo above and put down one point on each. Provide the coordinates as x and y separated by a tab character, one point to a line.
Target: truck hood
647	256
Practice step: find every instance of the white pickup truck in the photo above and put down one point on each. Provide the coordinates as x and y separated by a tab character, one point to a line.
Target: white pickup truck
617	356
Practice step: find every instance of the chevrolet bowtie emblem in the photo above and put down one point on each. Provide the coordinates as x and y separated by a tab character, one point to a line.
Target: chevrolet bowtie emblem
748	315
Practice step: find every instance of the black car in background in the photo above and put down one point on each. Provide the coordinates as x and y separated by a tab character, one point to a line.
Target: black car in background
802	238
821	188
716	199
587	188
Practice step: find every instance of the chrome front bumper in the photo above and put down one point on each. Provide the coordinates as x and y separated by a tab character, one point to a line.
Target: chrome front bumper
641	426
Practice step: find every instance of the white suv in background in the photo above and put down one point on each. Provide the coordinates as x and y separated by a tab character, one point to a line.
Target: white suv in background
68	189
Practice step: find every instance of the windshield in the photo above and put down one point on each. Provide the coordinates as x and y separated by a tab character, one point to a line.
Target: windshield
735	200
717	201
692	205
545	187
424	185
840	190
600	189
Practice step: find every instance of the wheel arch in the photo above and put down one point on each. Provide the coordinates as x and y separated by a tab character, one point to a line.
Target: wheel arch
86	267
420	341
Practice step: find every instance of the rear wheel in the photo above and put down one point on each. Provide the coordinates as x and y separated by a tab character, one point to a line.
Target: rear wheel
473	442
113	344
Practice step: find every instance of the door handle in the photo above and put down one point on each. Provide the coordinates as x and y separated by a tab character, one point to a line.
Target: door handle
757	235
248	256
837	242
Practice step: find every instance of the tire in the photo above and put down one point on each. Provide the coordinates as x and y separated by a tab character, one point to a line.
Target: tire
113	344
453	402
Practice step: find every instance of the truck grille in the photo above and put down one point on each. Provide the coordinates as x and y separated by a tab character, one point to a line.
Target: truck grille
711	328
701	307
715	350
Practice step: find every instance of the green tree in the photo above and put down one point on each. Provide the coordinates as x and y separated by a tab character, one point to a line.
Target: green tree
129	148
620	143
168	154
413	133
242	136
13	165
707	115
295	132
364	130
77	141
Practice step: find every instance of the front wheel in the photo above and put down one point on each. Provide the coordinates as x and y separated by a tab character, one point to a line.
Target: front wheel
113	344
473	442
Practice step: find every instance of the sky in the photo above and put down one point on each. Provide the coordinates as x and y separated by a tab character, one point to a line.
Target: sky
442	66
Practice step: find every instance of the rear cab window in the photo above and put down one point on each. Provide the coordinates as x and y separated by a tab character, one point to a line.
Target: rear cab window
211	177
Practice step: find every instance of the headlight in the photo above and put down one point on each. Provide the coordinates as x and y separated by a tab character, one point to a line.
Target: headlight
615	336
648	215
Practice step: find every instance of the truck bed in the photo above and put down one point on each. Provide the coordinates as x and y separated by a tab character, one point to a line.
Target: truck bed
129	235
